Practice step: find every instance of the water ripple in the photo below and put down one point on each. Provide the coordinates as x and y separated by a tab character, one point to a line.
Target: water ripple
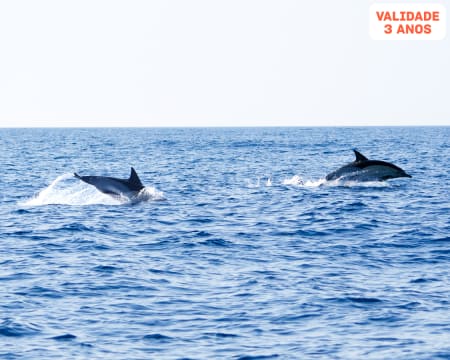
252	256
11	328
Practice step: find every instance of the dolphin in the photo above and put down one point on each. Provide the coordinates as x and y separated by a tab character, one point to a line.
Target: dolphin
363	169
115	187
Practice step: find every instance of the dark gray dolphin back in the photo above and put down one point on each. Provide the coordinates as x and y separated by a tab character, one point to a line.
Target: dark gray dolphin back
134	182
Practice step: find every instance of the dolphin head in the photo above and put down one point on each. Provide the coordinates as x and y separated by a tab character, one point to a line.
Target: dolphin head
87	179
381	170
396	172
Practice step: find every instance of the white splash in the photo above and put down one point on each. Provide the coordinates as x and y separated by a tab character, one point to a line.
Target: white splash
295	181
353	183
314	183
148	194
64	191
299	182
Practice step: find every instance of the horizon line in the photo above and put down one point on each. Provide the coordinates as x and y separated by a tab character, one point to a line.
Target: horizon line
216	126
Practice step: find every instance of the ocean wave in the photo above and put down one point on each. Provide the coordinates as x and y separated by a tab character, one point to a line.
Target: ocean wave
11	328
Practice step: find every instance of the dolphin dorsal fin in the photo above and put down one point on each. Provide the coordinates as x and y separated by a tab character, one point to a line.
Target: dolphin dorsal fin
359	156
134	180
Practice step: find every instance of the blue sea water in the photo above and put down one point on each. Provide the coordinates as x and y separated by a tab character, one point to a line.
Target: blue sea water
239	251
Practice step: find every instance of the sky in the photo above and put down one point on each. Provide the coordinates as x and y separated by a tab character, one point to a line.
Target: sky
213	63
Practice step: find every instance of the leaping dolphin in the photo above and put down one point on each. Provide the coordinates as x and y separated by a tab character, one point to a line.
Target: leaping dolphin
363	169
115	187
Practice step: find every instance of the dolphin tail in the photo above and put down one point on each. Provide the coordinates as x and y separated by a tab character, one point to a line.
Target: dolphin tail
77	176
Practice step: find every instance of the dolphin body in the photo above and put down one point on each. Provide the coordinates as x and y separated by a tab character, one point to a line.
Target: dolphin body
363	169
115	187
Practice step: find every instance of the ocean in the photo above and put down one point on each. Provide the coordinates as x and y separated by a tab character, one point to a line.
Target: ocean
241	250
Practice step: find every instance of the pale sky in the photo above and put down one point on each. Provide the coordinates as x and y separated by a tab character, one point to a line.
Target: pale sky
213	63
